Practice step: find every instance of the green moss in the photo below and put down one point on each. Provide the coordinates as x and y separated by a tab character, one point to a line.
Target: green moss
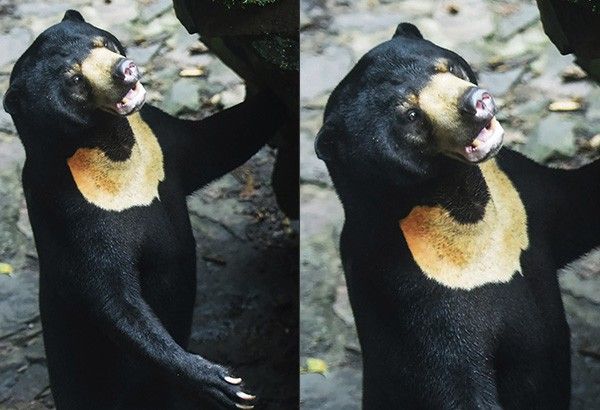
278	50
592	5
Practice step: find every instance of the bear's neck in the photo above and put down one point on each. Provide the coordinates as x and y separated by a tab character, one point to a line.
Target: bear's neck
460	188
113	136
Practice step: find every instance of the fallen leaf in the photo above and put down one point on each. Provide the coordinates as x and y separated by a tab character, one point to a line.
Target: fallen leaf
314	365
198	48
594	142
573	73
249	187
215	99
565	106
6	269
192	72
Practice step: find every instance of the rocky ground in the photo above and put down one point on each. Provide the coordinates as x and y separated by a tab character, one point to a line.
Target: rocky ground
504	41
246	310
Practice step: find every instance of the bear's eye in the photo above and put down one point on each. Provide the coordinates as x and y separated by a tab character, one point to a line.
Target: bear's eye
457	71
412	115
76	79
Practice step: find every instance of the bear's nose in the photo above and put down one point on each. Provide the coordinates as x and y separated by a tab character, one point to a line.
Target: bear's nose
480	103
127	71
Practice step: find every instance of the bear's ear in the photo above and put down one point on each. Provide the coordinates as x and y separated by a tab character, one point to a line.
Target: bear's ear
407	30
11	100
325	141
73	15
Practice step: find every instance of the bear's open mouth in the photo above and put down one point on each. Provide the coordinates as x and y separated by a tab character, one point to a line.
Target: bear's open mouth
132	101
486	144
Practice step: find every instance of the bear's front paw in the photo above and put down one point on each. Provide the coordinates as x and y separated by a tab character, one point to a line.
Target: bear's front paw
218	385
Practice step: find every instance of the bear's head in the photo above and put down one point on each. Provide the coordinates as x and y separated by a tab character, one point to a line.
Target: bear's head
70	73
404	110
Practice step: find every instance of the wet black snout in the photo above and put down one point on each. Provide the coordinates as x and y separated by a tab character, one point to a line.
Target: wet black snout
480	103
127	71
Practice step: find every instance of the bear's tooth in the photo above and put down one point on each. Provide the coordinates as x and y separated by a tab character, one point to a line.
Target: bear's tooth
125	100
476	143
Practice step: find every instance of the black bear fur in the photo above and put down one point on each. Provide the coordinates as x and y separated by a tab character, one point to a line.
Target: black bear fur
432	336
116	251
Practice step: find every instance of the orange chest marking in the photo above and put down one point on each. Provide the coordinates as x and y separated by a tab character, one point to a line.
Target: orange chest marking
119	185
466	256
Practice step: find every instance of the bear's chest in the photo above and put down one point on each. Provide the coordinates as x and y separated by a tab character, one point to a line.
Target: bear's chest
468	255
119	185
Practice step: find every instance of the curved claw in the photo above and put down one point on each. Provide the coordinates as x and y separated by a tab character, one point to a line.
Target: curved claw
232	380
244	406
245	396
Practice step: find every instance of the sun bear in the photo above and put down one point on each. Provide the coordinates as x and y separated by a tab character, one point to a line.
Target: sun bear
106	179
451	243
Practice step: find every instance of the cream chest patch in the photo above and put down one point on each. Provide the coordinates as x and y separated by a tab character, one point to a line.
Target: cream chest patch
119	185
468	255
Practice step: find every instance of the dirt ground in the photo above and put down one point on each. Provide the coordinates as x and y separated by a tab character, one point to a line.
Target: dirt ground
505	43
246	314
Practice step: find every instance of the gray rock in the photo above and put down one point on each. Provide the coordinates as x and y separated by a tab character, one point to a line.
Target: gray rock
43	9
34	352
312	169
342	307
109	15
321	213
367	22
154	9
586	288
474	53
11	359
549	67
30	383
528	43
319	73
12	153
6	122
553	136
184	94
220	73
338	389
227	214
473	20
13	44
142	55
593	109
518	21
233	95
18	301
499	83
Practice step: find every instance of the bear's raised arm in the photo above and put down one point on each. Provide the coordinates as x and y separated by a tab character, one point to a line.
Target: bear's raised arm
202	151
577	219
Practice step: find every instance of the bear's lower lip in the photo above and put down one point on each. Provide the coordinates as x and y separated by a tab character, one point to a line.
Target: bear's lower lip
132	101
486	144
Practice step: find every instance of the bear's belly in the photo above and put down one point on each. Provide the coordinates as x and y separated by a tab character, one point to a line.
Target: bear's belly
167	263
